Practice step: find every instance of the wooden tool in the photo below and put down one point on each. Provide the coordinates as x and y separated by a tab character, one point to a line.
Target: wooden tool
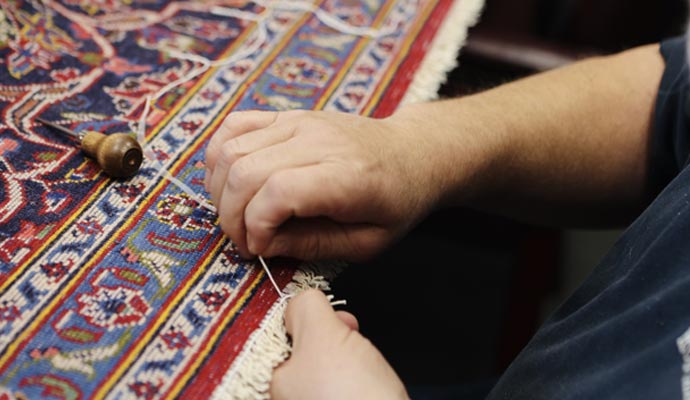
119	154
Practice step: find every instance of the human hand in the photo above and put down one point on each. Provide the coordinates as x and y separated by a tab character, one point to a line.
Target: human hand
319	185
330	359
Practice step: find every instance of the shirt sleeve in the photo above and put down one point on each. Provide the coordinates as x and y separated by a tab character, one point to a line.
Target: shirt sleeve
669	143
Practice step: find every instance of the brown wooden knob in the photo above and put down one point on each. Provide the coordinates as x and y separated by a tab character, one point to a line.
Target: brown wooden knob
119	154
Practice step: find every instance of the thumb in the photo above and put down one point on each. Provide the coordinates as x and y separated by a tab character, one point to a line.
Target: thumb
309	318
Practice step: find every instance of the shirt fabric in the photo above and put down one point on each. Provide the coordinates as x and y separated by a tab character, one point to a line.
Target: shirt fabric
625	333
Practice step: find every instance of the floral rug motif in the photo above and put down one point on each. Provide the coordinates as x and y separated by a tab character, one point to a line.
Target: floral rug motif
127	288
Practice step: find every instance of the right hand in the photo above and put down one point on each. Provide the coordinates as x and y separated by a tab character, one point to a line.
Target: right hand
321	185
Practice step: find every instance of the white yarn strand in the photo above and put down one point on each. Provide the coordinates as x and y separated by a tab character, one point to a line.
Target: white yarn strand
270	276
326	18
233	13
141	129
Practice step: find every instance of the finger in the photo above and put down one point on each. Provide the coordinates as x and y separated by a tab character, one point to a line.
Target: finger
259	139
310	319
234	149
348	319
235	124
244	178
232	227
324	239
311	191
221	182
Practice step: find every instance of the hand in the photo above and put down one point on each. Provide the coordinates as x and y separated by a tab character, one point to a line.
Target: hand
330	359
319	185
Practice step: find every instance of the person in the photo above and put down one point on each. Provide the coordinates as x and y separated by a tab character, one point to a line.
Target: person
600	143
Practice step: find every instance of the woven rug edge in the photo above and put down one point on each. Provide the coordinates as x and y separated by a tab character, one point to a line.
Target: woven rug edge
443	52
268	346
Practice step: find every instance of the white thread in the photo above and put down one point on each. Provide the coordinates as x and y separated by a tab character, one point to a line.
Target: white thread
270	276
188	190
326	18
141	131
332	302
185	188
233	13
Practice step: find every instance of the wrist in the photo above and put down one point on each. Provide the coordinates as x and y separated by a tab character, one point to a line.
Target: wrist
460	154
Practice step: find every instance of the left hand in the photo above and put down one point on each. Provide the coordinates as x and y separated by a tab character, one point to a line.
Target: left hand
330	359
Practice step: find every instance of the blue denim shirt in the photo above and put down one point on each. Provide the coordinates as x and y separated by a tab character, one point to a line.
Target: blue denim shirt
625	333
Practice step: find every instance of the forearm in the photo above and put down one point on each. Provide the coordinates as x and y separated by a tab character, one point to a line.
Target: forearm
568	146
565	147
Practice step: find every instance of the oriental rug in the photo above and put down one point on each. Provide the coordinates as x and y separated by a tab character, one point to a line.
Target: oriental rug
126	288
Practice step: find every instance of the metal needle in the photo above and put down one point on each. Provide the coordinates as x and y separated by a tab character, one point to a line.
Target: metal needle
60	128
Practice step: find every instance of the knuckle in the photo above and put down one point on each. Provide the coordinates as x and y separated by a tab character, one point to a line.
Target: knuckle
237	117
241	172
230	118
228	122
309	123
231	151
277	188
294	114
254	227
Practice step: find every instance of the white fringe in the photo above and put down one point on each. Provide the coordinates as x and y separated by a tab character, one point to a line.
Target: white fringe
268	346
442	55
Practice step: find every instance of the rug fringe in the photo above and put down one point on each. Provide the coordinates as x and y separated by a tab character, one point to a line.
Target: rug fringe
268	346
442	55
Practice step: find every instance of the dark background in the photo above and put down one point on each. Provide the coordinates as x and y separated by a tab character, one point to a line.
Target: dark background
456	299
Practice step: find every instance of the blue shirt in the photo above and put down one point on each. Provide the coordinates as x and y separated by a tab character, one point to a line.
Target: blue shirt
625	333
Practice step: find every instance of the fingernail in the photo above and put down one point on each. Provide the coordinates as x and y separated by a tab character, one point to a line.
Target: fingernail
246	255
251	245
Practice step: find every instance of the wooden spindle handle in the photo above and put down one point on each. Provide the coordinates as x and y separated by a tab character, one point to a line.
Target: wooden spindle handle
118	154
